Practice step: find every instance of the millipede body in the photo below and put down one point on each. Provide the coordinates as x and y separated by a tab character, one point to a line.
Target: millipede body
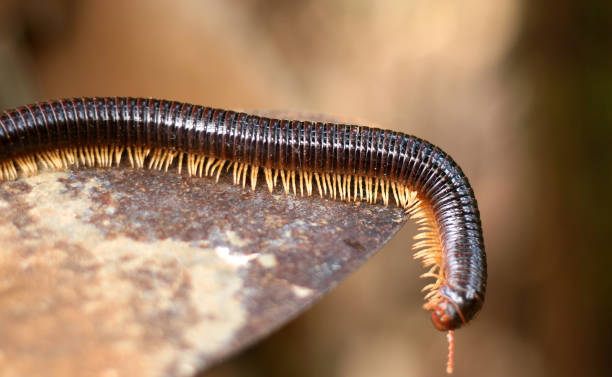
345	162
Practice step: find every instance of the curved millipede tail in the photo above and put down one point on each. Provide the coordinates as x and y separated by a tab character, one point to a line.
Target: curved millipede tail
343	161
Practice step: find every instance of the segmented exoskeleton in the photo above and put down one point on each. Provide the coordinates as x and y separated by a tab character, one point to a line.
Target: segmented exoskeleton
346	162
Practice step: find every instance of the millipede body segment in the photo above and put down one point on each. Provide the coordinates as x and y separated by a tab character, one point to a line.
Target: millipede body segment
346	162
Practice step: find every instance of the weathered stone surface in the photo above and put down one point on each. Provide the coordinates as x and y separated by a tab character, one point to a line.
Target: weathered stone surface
122	272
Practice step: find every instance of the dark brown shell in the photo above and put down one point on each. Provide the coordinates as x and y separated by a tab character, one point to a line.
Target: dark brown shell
276	144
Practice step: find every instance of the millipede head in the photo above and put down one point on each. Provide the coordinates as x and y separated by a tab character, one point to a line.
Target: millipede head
445	314
451	309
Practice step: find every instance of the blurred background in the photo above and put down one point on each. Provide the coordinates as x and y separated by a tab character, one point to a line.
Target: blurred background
517	92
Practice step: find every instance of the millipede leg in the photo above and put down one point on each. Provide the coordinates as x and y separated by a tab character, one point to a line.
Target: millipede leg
244	175
301	183
269	179
316	175
180	162
286	179
254	173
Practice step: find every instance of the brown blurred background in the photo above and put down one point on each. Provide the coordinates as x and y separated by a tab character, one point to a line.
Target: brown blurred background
518	92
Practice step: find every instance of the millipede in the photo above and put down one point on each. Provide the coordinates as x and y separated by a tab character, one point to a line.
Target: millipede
343	161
